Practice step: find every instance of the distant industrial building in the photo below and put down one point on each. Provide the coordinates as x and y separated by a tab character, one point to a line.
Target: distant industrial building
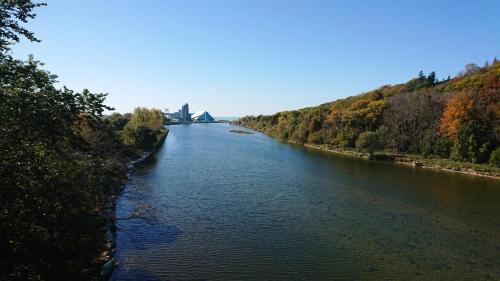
175	116
183	115
202	116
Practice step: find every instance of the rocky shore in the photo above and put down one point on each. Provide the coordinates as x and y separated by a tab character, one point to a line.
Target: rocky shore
105	262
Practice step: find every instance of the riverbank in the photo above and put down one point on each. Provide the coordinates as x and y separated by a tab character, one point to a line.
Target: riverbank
419	161
105	262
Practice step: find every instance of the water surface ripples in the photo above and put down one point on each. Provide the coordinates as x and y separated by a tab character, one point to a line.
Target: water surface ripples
222	206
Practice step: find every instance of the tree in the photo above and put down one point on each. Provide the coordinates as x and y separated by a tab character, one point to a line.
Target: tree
431	79
471	68
51	178
57	165
470	143
142	129
457	111
12	14
152	118
421	75
495	157
141	137
369	142
412	120
118	121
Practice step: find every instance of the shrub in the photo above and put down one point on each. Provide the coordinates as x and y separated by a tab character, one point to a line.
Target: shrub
495	157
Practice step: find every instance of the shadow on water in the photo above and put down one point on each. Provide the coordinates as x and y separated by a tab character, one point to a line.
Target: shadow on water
144	236
143	275
136	274
146	165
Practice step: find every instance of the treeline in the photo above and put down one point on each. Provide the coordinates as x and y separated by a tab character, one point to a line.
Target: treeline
60	161
457	118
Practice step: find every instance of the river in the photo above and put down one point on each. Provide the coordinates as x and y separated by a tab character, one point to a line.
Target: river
216	205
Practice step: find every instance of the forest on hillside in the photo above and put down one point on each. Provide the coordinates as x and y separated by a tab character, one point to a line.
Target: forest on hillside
61	162
457	119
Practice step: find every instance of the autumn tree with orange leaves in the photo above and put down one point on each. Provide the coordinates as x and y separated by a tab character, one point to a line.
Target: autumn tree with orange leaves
456	113
470	121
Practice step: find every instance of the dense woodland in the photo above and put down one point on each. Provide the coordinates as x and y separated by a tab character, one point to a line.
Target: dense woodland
457	118
60	161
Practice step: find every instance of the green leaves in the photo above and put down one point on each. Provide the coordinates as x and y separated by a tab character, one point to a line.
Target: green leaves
369	142
13	13
59	161
142	129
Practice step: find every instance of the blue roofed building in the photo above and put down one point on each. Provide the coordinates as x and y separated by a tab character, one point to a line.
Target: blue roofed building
203	117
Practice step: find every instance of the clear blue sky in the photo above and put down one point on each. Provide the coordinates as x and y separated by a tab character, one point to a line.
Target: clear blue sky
239	57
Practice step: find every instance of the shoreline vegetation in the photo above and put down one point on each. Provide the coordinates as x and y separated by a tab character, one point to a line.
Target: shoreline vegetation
63	164
451	124
144	132
418	161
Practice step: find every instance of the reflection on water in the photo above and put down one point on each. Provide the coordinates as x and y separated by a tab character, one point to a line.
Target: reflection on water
221	206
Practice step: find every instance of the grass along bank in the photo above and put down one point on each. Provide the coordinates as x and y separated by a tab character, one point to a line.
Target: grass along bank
413	160
418	161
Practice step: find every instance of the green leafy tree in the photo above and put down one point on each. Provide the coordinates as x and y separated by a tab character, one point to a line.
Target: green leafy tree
369	142
471	144
118	121
421	75
144	128
13	13
495	157
59	163
431	78
52	179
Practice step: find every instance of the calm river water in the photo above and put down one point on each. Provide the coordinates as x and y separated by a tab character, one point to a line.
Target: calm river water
215	205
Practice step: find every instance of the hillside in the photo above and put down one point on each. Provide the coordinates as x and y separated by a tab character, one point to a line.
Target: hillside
455	119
